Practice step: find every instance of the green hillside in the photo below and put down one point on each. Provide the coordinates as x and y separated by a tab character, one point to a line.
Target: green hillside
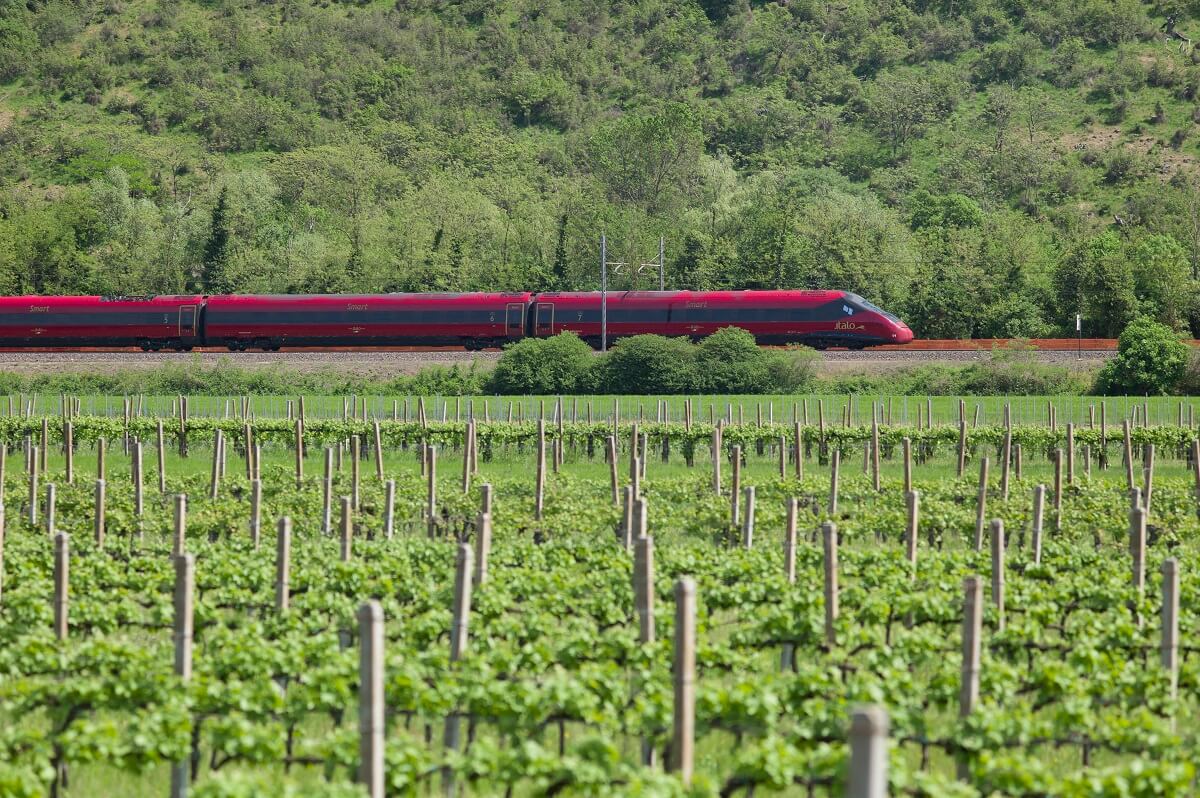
982	168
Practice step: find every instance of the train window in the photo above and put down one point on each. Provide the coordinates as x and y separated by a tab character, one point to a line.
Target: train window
865	305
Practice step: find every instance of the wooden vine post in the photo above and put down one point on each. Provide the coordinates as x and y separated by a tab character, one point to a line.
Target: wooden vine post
139	500
829	537
62	581
1039	513
913	502
378	452
431	490
1128	441
214	485
355	469
1005	464
347	529
787	655
327	494
299	454
868	776
626	531
69	451
283	557
683	732
372	720
748	520
161	448
981	503
641	519
255	512
643	587
998	571
798	450
33	489
1170	625
906	451
458	646
539	498
1137	552
972	647
185	586
875	479
962	448
1148	476
735	488
1058	489
179	538
789	541
834	466
614	478
483	547
389	509
51	508
98	514
1070	453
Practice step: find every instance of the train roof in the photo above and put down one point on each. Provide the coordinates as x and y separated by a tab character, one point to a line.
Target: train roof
732	297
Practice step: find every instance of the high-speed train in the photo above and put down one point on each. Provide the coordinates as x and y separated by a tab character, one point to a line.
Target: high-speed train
820	319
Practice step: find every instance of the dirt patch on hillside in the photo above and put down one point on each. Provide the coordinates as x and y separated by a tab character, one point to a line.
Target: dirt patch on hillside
1101	138
6	119
1096	138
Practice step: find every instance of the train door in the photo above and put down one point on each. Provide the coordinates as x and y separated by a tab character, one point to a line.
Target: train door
187	322
514	319
544	319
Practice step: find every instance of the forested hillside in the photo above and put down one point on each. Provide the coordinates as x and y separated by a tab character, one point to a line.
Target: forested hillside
982	167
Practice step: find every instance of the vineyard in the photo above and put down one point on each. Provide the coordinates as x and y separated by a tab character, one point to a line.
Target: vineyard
808	596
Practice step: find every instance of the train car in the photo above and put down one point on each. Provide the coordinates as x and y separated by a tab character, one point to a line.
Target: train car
269	322
151	322
820	319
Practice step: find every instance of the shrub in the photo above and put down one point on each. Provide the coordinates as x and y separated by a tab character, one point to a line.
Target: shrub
543	366
729	361
1151	359
1016	371
793	370
649	364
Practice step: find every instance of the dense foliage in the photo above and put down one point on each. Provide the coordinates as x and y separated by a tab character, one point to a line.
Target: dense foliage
1150	359
979	167
728	361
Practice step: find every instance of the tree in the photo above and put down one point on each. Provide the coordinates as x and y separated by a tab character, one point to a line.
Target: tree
18	42
648	159
1000	111
901	104
1151	358
214	276
1160	271
942	211
951	289
1035	110
772	251
1096	279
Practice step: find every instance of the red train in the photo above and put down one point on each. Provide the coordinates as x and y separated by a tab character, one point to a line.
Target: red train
818	318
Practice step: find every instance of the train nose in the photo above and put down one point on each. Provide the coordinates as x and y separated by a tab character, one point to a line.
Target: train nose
903	334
